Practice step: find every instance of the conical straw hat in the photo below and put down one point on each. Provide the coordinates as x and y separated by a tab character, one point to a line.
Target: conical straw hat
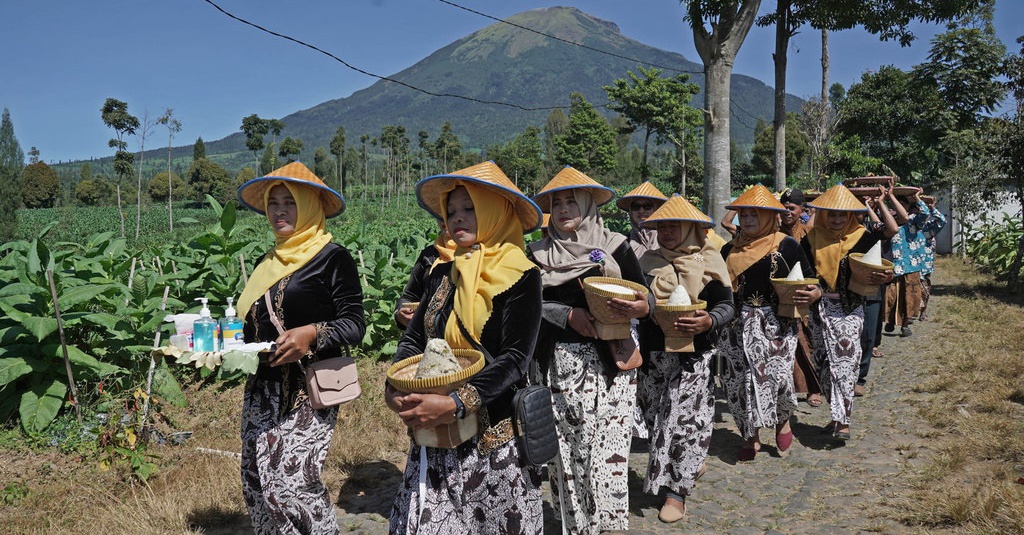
678	208
252	193
428	191
757	196
545	220
838	197
643	191
569	178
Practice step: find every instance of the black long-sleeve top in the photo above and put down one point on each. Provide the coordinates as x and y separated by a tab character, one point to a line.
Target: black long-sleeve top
754	287
560	300
414	288
719	306
509	335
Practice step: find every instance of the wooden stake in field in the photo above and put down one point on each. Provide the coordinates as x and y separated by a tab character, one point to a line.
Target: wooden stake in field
245	273
152	364
64	345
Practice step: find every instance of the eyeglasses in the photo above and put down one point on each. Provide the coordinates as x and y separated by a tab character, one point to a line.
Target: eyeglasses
636	207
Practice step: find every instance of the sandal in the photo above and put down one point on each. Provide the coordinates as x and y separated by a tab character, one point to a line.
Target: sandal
814	400
876	352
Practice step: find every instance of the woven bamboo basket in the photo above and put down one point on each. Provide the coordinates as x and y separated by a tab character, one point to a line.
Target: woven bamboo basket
905	191
402	376
786	290
867	181
859	273
609	327
866	191
665	316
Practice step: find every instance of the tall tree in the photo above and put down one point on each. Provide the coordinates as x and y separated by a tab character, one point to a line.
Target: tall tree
115	115
589	142
39	185
198	149
290	147
556	125
323	165
143	131
338	150
447	149
255	130
659	106
889	20
173	126
719	29
12	161
520	158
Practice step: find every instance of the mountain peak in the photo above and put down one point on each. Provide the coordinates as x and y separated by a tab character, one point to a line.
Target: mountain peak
566	23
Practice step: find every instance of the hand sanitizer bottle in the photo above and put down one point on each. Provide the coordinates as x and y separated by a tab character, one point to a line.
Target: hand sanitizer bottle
230	328
204	331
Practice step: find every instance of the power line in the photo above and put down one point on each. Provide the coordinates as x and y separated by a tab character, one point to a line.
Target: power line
581	45
372	75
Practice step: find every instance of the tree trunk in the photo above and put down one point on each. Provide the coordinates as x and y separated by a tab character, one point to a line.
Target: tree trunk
120	211
825	107
170	210
718	52
782	35
1013	278
644	172
138	187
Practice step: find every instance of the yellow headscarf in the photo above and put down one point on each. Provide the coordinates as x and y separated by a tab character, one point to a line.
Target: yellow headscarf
693	264
291	252
829	246
748	250
481	275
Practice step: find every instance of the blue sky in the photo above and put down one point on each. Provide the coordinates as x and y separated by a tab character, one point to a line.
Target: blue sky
212	70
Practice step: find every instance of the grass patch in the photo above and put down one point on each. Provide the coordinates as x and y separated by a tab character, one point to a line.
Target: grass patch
971	483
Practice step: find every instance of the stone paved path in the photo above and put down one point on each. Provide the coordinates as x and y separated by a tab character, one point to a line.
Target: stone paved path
822	487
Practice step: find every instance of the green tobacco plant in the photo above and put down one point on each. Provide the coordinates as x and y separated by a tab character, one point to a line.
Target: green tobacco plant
992	245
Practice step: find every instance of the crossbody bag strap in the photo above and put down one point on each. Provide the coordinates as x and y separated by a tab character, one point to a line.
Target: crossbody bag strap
273	316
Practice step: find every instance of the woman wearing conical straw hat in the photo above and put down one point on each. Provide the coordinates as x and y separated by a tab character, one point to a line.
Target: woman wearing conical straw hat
675	387
838	318
304	295
488	296
593	399
760	347
639	204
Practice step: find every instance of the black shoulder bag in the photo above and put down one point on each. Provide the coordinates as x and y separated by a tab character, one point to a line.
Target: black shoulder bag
533	416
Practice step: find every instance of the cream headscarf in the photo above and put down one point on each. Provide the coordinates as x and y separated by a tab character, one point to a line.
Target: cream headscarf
290	252
748	250
829	246
693	264
482	274
564	256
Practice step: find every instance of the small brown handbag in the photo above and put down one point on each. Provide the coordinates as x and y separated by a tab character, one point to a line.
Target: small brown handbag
329	382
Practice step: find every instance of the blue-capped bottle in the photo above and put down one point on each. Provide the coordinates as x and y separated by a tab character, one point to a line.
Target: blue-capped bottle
230	329
205	330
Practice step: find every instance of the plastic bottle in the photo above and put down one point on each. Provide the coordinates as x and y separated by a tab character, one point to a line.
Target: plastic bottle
230	328
204	330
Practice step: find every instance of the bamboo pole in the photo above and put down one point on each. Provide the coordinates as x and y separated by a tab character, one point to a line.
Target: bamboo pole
241	263
64	346
152	365
131	282
362	264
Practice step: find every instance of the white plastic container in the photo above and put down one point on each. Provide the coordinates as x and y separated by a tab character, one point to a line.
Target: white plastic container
183	325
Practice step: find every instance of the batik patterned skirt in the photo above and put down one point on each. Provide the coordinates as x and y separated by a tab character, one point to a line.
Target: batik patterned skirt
759	352
462	492
680	413
837	352
283	455
594	415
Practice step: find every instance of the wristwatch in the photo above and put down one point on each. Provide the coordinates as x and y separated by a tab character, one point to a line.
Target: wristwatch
460	407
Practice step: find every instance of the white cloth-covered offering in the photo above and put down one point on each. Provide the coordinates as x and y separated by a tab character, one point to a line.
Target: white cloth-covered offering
796	274
874	255
614	288
438	360
679	297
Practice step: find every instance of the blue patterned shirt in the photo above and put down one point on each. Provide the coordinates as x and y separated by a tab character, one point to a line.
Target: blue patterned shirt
908	245
935	224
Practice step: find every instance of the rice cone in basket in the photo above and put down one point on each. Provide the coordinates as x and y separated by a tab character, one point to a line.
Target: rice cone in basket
665	316
838	197
757	196
860	271
643	191
607	326
570	178
786	291
401	375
